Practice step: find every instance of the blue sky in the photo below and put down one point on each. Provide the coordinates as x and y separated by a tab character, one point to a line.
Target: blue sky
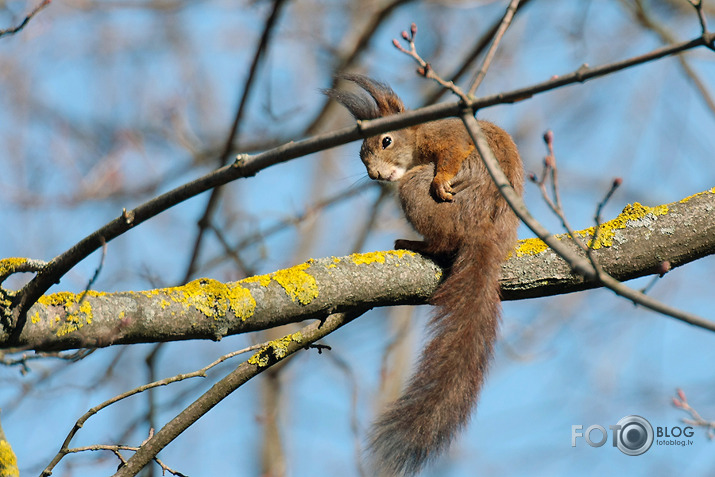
99	100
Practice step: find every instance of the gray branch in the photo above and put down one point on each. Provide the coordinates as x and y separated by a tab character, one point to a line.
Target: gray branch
634	244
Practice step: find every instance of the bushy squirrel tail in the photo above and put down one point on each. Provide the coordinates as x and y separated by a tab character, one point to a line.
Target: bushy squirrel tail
441	395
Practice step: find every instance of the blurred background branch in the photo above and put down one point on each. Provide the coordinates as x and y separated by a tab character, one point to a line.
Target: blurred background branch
106	104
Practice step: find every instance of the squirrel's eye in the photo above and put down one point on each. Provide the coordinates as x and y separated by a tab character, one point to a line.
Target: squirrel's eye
386	141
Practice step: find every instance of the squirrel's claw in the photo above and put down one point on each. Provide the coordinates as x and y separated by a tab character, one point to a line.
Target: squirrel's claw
442	190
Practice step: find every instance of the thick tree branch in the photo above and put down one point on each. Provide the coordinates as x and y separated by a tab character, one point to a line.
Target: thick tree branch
209	309
246	166
631	245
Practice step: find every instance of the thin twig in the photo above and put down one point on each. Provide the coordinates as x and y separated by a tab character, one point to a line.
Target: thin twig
663	268
347	370
554	202
471	56
615	184
22	360
372	215
681	402
10	266
578	263
26	20
698	5
234	254
292	221
225	155
64	449
345	61
115	450
229	384
503	25
425	68
646	20
97	271
551	170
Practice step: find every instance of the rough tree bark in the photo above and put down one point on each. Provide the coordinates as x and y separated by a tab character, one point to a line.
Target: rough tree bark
633	244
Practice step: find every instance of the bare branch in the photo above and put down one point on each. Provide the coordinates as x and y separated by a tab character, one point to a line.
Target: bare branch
273	353
208	309
425	68
576	261
644	18
64	449
696	419
205	219
472	55
26	20
503	25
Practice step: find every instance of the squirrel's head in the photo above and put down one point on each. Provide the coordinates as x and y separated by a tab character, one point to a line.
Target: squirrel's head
387	156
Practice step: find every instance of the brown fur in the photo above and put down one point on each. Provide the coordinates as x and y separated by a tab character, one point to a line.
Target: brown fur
473	226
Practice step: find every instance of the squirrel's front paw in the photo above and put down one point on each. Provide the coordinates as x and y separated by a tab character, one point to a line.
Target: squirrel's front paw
442	189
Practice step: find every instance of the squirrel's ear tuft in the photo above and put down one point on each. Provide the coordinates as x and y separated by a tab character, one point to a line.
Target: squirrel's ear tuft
386	102
360	106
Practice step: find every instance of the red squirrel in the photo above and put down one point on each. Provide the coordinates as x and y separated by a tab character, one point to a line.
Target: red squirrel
449	198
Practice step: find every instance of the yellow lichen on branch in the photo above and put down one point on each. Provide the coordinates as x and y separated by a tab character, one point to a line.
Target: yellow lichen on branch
241	302
77	310
299	285
210	297
275	349
377	257
8	461
11	265
68	312
632	215
262	280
